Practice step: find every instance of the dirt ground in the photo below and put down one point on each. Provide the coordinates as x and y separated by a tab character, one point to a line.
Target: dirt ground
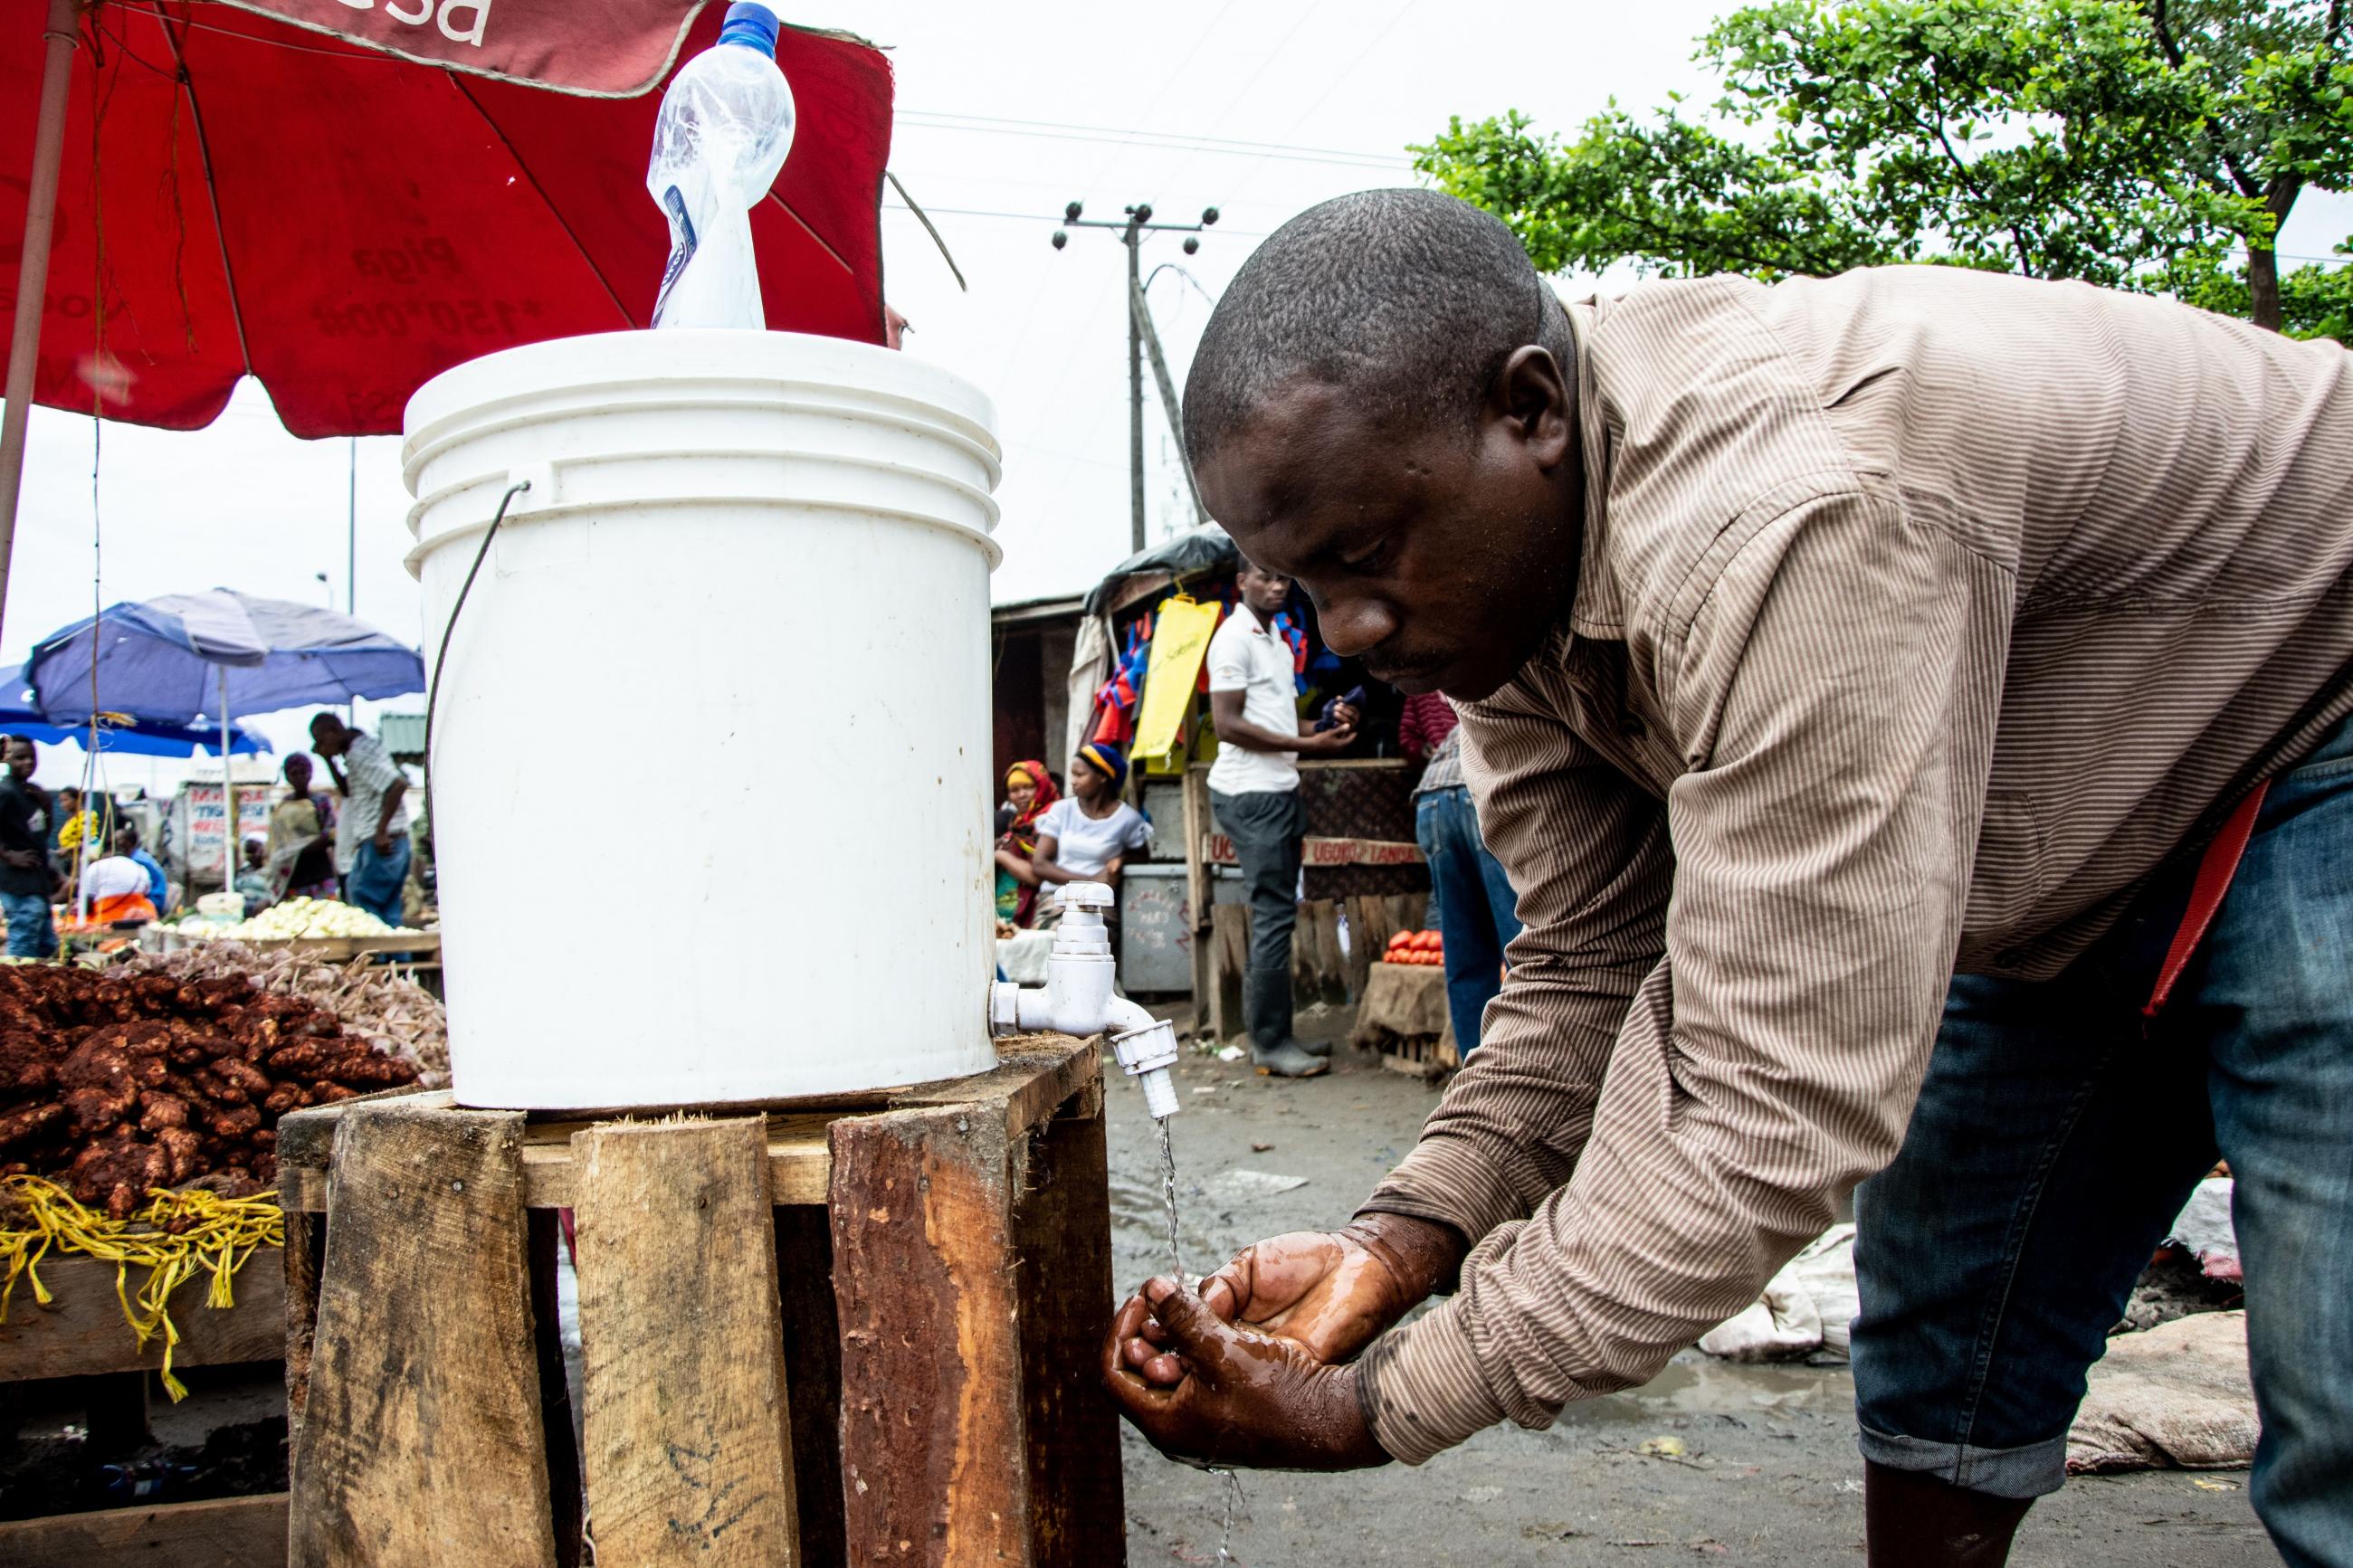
1769	1474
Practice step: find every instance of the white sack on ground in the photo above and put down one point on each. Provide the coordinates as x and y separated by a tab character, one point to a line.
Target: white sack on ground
1804	1312
2176	1396
2204	1227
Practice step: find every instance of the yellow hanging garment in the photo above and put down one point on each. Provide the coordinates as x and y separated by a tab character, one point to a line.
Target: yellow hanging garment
1180	640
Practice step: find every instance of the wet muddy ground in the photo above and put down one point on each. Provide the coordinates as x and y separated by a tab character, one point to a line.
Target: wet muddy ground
1768	1474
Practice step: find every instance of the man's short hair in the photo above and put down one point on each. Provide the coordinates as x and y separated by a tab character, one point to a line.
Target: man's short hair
1409	300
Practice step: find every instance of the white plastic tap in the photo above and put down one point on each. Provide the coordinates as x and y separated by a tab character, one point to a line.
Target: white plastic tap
1077	998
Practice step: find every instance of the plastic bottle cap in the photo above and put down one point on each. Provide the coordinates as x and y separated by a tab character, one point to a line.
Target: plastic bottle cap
753	26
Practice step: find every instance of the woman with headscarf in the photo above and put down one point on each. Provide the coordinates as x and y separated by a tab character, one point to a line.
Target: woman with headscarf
1029	790
301	848
1087	838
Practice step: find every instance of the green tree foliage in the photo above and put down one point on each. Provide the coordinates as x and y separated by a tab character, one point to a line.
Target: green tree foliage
2155	146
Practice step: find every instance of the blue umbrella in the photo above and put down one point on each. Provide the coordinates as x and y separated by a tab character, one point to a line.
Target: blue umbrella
128	737
166	660
172	659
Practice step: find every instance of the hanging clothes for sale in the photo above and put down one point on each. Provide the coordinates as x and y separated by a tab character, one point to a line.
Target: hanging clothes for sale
1179	642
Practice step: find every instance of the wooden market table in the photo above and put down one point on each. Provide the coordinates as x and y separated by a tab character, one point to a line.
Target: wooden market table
82	1333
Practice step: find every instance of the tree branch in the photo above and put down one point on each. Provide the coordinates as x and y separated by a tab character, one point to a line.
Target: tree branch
1936	128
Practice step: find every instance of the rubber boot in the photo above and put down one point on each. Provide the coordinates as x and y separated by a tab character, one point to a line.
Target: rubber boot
1266	1007
1914	1519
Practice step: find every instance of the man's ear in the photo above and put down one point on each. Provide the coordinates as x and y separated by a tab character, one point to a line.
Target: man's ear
1531	394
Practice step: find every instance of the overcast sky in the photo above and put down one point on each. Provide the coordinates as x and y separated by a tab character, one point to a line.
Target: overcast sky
1260	109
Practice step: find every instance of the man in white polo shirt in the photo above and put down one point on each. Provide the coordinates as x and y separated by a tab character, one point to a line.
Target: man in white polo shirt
1254	790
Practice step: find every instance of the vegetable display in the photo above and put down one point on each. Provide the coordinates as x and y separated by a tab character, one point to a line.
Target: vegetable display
1419	947
293	918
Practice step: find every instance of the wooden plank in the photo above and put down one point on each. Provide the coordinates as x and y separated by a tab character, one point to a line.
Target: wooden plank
420	1443
1061	1240
799	1164
1230	928
1031	1078
1198	889
306	1249
813	1330
82	1331
224	1533
1368	933
685	1413
933	1453
1322	917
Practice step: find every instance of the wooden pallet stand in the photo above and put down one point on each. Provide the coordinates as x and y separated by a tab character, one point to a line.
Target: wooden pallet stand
815	1338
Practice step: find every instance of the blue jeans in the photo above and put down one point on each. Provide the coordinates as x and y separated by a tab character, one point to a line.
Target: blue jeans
2054	1140
376	881
1477	909
30	935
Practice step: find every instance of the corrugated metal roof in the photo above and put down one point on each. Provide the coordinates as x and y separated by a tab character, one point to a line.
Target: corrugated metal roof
403	734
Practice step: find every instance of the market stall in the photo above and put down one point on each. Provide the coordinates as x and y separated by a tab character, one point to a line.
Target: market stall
1138	681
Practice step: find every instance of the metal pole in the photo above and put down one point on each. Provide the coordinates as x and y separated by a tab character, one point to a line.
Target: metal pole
231	847
1135	237
351	539
1140	311
60	39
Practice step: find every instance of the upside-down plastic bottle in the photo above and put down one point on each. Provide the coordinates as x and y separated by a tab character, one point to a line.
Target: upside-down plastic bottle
726	125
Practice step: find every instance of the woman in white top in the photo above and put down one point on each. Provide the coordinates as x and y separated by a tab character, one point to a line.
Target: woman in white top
1087	835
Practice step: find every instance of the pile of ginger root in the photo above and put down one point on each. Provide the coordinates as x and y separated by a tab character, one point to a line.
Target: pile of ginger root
113	1083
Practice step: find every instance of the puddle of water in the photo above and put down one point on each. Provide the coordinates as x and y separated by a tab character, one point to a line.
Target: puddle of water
1697	1384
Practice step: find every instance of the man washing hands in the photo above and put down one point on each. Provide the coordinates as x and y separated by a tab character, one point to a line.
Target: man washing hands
1911	707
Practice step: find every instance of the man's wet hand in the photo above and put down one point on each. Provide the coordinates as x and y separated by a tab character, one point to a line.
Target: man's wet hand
1330	1292
1244	1399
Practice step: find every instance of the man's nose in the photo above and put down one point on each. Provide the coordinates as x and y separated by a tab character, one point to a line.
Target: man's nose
1355	623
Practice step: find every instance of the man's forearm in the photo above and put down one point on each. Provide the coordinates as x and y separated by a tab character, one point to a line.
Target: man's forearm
1252	737
392	799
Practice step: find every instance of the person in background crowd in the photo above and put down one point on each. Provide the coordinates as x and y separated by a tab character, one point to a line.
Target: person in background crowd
89	826
1029	793
301	848
65	817
1423	723
1254	792
1476	909
372	845
126	845
1087	838
253	877
118	887
26	881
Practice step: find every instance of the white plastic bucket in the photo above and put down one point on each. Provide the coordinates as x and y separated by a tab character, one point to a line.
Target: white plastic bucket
711	752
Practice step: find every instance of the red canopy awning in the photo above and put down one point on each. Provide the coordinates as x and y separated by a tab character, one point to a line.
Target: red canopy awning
241	193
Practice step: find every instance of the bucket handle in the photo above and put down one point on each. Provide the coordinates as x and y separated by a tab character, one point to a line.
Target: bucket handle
449	628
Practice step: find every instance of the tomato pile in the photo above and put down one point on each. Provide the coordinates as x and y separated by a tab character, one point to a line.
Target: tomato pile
1415	947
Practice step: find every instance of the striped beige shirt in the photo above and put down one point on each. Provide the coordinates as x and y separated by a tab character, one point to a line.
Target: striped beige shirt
1922	613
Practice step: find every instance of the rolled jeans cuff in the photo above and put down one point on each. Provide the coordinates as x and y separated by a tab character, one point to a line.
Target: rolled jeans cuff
1421	1390
2032	1470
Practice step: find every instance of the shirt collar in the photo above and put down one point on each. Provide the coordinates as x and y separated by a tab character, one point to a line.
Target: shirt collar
1595	610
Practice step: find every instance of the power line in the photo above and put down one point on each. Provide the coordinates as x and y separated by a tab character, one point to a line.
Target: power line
1162	141
1036	217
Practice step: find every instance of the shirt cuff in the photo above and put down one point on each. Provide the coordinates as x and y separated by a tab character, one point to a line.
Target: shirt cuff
1420	1389
1452	1181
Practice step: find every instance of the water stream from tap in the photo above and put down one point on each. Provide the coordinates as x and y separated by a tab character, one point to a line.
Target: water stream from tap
1168	1194
1177	1265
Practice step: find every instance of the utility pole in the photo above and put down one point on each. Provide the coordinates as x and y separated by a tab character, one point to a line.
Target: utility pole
1131	230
